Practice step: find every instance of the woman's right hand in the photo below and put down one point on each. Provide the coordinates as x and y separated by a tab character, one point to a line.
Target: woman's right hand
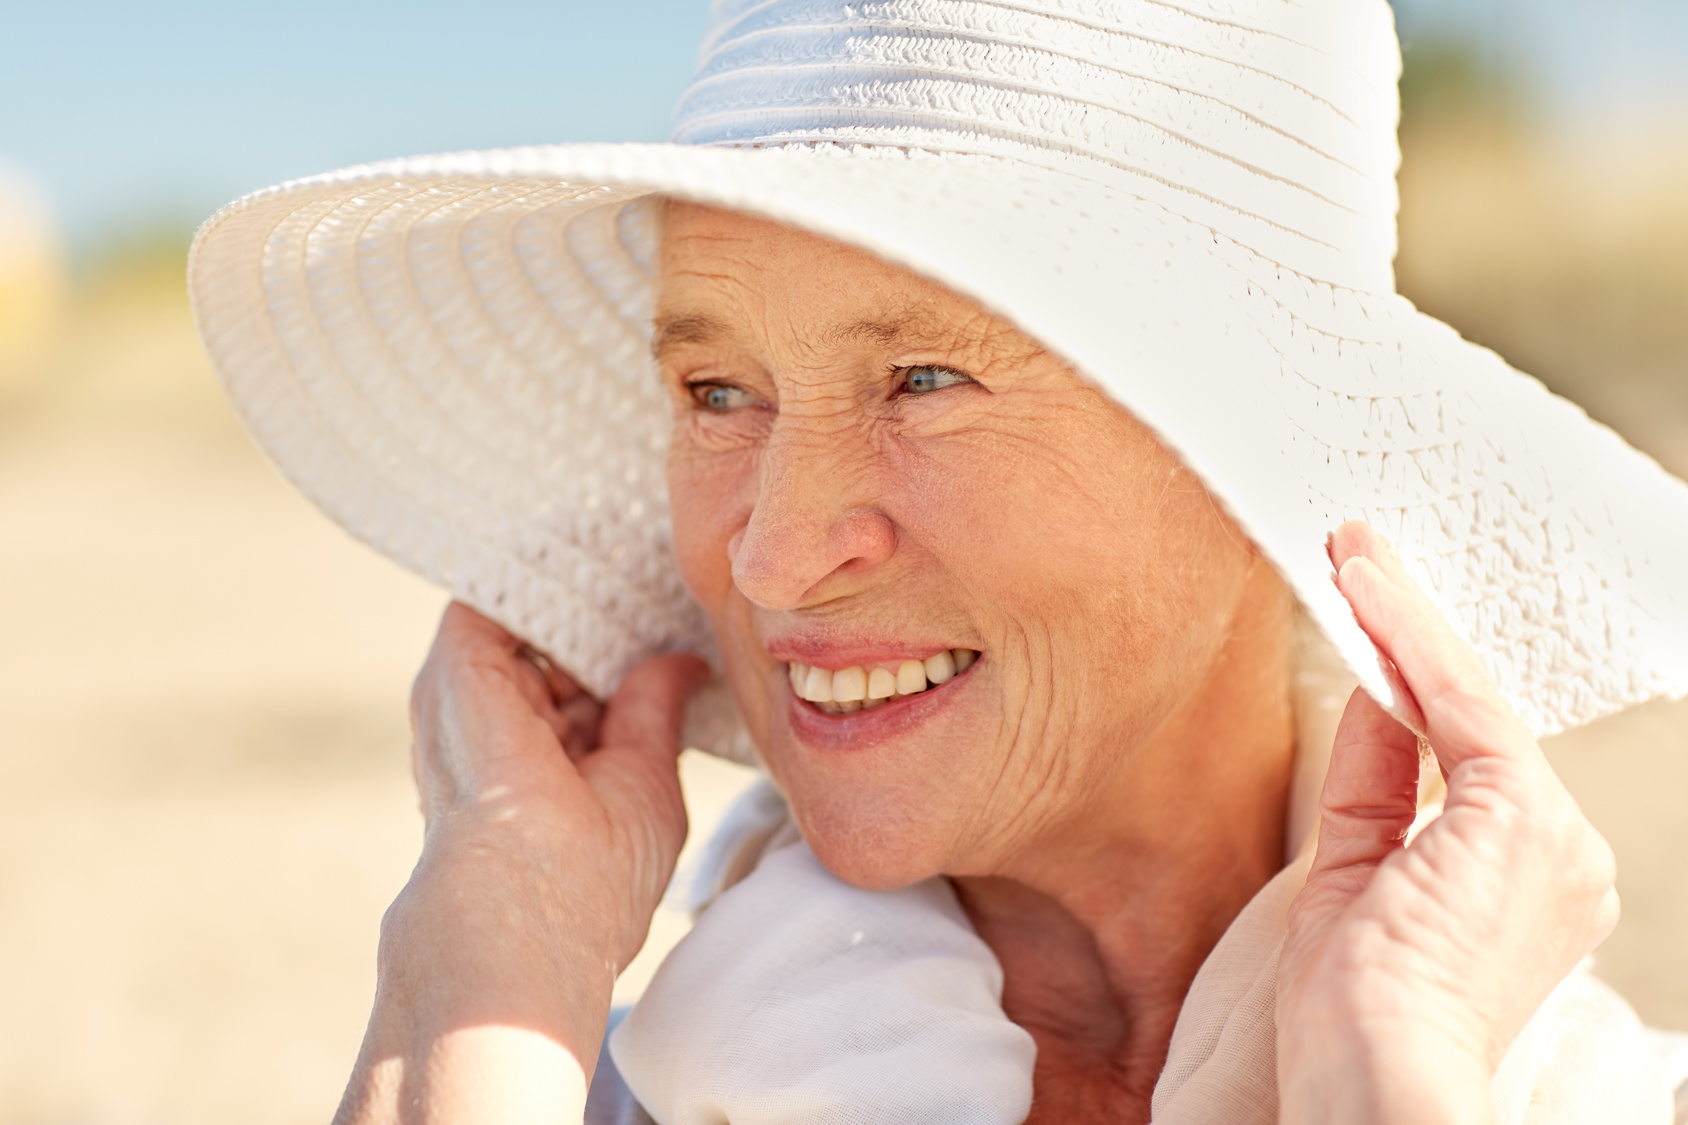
552	828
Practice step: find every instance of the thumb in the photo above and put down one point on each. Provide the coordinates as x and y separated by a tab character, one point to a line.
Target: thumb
1371	789
647	711
633	770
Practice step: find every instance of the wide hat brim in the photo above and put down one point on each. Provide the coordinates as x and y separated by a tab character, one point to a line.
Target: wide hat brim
450	356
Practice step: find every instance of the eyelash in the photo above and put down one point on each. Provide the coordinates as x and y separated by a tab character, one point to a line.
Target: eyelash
703	391
955	377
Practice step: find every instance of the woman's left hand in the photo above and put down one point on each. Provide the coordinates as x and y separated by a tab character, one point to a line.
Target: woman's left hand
1408	971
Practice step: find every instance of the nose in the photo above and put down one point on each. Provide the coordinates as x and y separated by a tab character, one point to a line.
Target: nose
815	516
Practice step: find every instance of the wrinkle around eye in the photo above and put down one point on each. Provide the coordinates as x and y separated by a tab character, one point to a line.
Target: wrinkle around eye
722	430
959	407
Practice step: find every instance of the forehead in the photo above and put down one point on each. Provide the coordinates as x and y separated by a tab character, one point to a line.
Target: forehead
724	272
696	237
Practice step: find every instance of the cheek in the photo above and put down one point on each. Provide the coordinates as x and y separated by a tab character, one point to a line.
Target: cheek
1083	544
1019	523
710	499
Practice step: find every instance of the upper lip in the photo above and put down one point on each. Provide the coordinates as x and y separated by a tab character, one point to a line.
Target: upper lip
834	654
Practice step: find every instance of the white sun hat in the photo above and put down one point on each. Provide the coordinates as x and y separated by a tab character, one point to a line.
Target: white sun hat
1193	201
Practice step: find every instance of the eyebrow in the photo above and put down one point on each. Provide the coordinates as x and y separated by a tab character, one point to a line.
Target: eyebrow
699	329
882	333
692	329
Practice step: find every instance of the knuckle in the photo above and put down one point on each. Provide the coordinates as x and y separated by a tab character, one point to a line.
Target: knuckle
1604	858
1580	863
1464	713
1598	866
1569	834
427	693
420	688
1606	918
1496	785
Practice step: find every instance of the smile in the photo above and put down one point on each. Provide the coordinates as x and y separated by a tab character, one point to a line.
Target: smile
864	687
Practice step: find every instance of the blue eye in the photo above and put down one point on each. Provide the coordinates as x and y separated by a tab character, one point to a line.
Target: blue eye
925	379
720	397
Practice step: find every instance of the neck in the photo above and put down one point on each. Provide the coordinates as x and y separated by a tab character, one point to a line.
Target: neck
1101	925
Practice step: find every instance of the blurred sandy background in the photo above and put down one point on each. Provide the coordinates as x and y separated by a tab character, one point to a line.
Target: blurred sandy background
202	683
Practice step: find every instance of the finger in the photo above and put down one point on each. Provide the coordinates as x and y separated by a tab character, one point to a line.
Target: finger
535	681
478	641
577	724
437	770
648	710
465	629
1606	916
570	711
634	771
1464	714
475	641
1371	788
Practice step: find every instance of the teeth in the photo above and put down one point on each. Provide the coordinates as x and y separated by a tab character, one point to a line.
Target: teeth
862	689
849	685
817	687
911	677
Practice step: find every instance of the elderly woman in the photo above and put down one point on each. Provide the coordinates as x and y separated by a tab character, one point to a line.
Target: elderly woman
1029	382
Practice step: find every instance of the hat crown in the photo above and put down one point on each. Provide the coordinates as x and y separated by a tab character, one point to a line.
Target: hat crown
1270	121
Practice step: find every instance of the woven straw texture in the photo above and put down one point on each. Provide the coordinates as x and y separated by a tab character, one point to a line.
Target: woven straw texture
1191	200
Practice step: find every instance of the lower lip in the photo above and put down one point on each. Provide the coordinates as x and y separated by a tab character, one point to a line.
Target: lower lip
858	730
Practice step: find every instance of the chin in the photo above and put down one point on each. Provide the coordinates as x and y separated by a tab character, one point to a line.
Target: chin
868	842
884	815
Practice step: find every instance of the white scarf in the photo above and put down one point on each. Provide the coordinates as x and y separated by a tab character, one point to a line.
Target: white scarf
800	1000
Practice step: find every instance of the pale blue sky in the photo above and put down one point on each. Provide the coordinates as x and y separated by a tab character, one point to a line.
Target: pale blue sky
134	112
145	111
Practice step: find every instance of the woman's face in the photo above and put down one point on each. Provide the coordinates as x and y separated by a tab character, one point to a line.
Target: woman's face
868	469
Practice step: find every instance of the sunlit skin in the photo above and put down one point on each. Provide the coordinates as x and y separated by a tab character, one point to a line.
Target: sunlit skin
1134	644
866	466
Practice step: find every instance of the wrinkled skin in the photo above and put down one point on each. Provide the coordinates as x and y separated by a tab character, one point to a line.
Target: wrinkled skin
1134	643
1022	514
1106	786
